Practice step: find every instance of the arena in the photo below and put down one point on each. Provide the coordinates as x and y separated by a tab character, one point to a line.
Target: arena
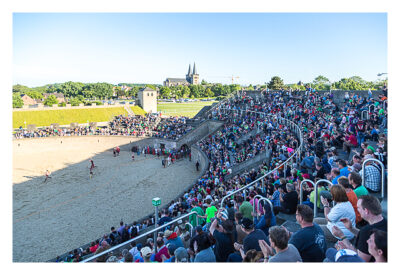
71	209
279	147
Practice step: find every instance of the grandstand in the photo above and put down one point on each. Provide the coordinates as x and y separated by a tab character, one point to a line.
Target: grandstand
247	144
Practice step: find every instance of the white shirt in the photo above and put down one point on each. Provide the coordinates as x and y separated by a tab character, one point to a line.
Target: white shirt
339	211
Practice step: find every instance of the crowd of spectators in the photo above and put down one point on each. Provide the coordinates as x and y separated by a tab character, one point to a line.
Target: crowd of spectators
351	221
172	128
149	125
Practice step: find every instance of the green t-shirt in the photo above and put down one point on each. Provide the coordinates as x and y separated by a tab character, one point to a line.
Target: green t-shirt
371	148
246	208
360	191
210	212
312	194
192	218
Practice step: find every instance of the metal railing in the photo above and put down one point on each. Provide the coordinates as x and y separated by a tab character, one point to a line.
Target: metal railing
259	202
329	186
363	117
315	197
382	174
141	236
369	108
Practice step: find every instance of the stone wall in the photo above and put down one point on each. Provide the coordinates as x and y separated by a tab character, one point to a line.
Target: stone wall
204	129
249	164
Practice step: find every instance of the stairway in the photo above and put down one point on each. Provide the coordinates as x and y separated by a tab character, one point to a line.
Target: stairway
202	112
129	110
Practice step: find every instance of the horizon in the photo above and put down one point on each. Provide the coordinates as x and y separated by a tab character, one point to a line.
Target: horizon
147	48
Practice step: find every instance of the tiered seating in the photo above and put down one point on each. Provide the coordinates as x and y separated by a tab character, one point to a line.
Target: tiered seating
321	131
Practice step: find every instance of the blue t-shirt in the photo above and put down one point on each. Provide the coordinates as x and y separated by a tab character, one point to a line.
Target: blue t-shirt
344	172
310	242
334	181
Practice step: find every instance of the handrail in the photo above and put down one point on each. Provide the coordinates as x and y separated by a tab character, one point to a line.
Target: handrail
369	108
366	112
258	204
191	228
329	183
324	180
382	174
315	197
139	237
298	151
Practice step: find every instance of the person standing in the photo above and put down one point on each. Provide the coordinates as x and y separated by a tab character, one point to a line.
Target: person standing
92	166
48	173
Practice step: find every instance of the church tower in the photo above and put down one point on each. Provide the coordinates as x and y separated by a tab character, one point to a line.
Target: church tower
195	75
189	75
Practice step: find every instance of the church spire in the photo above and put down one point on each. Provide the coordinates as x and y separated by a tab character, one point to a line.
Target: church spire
194	68
190	71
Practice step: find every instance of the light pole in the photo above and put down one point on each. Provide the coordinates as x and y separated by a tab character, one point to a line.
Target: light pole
156	203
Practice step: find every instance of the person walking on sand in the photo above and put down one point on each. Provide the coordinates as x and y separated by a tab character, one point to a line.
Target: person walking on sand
92	166
118	150
48	173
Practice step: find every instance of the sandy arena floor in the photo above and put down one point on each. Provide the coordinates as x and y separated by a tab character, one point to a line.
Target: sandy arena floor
71	209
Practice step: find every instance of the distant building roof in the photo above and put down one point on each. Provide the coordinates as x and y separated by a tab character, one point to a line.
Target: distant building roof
177	80
58	95
147	89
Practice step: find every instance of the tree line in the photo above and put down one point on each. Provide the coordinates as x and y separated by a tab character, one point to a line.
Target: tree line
354	83
77	92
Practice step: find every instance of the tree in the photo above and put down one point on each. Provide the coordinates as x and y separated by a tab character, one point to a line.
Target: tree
50	100
151	86
209	93
165	92
71	89
17	101
276	83
203	82
119	92
185	92
34	94
234	87
20	89
75	101
88	94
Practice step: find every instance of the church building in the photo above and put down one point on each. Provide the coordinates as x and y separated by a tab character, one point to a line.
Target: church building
192	77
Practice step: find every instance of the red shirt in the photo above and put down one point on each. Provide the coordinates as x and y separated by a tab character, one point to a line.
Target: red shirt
93	248
162	251
353	200
352	139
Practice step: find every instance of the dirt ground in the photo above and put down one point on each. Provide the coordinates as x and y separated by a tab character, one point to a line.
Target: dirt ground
71	209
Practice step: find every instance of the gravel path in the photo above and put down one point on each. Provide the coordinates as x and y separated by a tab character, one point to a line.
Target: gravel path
71	209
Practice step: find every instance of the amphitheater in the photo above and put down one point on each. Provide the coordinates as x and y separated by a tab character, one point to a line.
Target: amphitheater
72	209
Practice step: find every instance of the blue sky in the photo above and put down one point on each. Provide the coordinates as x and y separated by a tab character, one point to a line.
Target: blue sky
149	47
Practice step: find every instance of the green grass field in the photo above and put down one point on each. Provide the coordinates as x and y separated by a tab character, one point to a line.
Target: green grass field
65	117
189	109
